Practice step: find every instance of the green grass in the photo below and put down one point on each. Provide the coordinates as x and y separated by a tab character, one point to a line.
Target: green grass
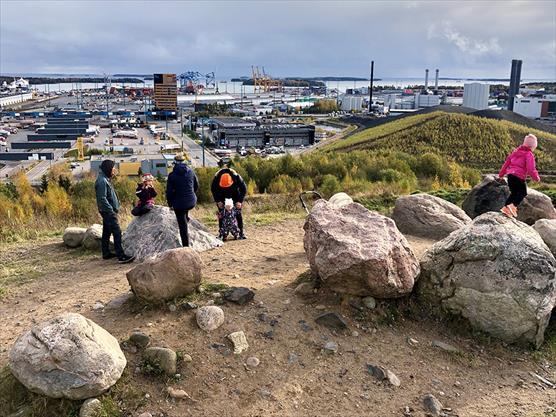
547	351
472	141
15	398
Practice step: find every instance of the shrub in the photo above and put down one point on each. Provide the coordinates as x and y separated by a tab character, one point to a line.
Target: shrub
330	186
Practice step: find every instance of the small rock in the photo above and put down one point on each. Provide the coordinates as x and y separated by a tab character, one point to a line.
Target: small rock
210	318
320	307
252	362
139	339
187	358
172	307
457	384
98	306
165	358
412	342
369	302
236	276
90	408
177	394
332	320
265	393
383	374
292	358
239	295
432	405
331	347
215	295
304	326
355	333
356	304
305	288
117	302
189	306
145	415
444	346
239	341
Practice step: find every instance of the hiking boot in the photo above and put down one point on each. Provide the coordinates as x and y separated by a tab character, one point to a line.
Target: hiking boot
242	237
126	259
109	256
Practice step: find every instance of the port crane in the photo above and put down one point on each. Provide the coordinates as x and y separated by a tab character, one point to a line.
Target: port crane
190	81
263	82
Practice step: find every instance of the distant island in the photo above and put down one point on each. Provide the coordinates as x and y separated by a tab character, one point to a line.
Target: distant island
67	80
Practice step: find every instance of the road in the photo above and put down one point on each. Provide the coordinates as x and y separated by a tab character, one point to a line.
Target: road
191	147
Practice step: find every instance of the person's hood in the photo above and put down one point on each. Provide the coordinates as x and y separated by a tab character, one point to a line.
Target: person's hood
523	149
180	169
106	167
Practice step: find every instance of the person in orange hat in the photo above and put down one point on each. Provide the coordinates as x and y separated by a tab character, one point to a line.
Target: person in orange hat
227	183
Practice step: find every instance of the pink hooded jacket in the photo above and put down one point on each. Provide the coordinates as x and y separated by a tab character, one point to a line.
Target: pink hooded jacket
521	163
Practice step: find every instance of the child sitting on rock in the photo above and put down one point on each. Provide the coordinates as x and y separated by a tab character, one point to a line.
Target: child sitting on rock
228	220
145	193
519	164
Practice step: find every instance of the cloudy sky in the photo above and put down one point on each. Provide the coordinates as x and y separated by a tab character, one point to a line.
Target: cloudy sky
288	38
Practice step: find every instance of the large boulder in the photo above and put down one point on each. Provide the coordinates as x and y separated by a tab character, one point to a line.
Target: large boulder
536	206
68	356
497	273
491	195
357	251
73	236
165	276
93	237
340	199
158	231
547	229
428	216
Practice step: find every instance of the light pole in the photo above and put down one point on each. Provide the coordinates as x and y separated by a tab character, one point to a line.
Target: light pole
203	139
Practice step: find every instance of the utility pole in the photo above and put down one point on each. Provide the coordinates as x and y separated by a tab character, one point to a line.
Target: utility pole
371	87
181	123
203	140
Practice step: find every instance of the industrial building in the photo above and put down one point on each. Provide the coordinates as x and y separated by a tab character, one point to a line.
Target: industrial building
165	92
535	107
237	133
159	164
475	95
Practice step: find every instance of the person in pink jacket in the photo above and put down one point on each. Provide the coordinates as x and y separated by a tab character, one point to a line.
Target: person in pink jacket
519	164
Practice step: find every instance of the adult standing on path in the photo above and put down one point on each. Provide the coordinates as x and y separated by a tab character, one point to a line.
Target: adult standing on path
108	206
180	193
227	183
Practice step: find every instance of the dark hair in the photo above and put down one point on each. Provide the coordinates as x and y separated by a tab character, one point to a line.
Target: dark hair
106	167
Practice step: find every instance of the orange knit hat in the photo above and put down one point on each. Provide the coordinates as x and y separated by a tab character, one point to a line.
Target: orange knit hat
226	180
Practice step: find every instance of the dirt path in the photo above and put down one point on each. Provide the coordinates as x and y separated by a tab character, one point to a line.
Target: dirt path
294	378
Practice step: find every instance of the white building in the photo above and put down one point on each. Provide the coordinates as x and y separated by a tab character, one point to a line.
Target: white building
10	100
535	107
351	103
426	100
475	95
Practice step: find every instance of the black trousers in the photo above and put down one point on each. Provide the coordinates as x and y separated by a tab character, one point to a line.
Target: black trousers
518	190
140	210
110	226
182	216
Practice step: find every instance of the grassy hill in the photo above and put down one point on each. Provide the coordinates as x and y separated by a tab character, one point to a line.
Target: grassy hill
469	140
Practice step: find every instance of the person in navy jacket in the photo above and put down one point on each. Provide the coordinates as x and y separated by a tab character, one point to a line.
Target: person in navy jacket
180	193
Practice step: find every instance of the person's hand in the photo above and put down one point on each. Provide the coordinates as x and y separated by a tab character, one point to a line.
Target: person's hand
238	205
220	204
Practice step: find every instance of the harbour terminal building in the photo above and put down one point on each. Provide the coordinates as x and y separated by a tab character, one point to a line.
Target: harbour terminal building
233	132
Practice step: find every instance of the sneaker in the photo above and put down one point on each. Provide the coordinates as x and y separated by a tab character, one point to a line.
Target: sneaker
109	256
506	210
126	259
513	210
242	237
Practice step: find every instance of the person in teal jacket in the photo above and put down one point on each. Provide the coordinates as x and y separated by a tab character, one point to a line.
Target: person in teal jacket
108	207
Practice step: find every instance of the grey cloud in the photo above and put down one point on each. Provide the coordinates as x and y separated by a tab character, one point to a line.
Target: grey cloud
470	38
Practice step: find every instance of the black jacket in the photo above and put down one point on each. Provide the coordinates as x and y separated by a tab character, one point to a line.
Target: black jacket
181	188
145	195
236	191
